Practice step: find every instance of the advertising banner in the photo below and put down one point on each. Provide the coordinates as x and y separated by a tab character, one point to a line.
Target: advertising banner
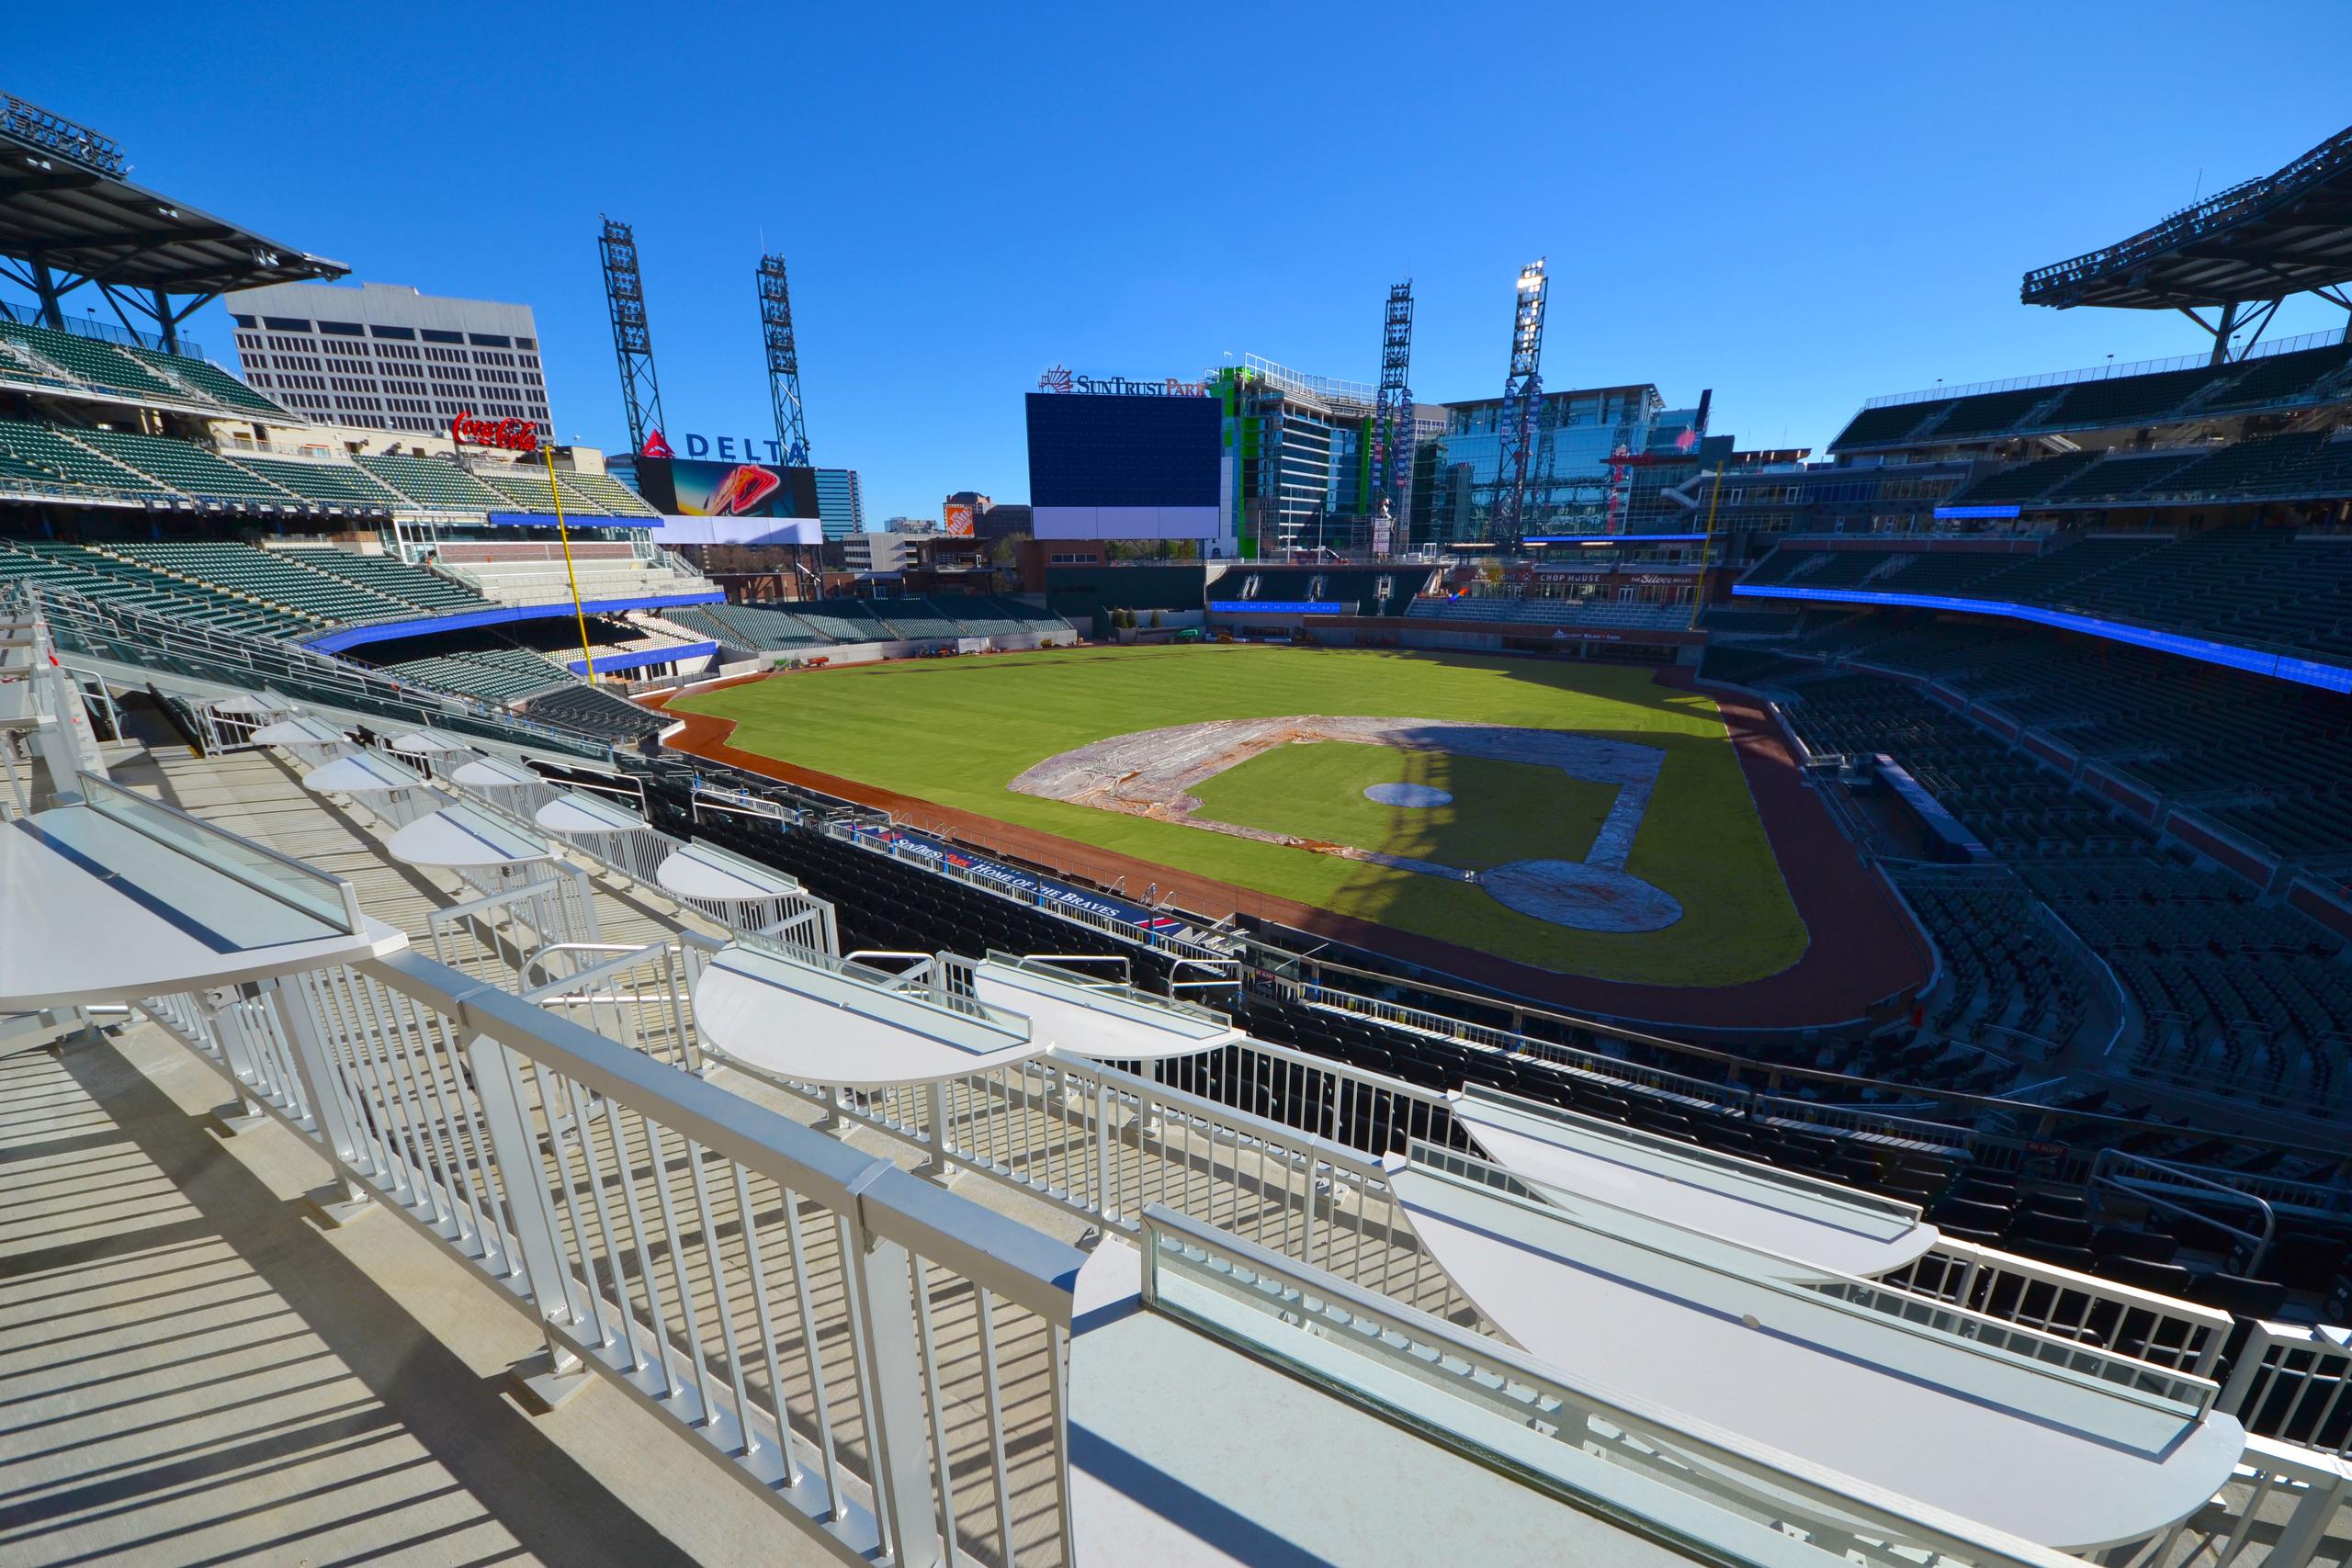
684	487
957	518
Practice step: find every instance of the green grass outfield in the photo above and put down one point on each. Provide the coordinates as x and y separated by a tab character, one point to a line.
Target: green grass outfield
958	731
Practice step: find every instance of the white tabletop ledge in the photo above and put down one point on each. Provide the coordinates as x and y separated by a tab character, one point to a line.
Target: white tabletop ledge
2056	1457
362	773
465	835
494	773
96	912
812	1024
303	731
428	742
1823	1228
1108	1023
699	870
581	813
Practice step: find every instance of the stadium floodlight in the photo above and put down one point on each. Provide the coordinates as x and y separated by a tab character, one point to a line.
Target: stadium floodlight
37	126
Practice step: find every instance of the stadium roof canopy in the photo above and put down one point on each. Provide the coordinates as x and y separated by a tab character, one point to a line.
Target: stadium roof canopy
69	217
2265	239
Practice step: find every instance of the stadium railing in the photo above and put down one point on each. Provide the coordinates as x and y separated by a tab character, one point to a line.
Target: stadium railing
167	646
507	1135
1993	1150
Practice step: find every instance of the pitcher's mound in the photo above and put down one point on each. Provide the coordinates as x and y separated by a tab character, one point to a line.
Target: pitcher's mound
1586	898
1421	796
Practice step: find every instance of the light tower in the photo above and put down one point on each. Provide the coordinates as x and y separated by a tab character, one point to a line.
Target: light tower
632	339
1392	460
784	360
1522	392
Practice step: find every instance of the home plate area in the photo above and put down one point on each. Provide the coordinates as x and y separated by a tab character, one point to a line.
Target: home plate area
1152	772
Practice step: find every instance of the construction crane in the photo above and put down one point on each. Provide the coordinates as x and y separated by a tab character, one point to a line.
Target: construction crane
632	339
1522	394
784	361
1392	457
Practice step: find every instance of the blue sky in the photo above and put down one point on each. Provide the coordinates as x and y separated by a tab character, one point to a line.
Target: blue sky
1798	207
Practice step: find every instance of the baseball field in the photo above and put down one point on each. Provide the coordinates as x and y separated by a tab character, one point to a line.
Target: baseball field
1579	818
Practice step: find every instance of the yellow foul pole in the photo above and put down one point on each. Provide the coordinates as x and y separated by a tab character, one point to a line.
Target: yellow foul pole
573	577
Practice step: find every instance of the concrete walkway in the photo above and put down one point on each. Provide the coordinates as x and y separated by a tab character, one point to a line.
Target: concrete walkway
192	1372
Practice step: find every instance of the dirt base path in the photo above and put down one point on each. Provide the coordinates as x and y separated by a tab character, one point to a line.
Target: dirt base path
1863	947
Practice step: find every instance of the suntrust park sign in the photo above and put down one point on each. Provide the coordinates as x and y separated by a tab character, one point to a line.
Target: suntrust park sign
1059	379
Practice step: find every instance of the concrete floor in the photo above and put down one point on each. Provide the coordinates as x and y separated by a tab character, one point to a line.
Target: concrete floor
192	1372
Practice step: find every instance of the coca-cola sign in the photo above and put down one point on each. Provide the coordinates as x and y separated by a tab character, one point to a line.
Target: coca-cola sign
508	434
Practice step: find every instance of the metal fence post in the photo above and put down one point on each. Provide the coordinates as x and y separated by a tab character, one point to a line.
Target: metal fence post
321	1091
885	1331
936	1168
218	1008
515	1152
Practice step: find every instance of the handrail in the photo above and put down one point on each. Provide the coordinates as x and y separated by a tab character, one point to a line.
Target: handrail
2103	1174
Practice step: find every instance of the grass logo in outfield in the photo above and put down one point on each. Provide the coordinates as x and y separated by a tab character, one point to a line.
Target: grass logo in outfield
961	732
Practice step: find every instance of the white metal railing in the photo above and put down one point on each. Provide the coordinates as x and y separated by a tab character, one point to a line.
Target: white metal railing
2103	1313
2288	1381
1299	1316
804	1314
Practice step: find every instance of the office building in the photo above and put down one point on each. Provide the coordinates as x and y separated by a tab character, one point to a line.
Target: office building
384	356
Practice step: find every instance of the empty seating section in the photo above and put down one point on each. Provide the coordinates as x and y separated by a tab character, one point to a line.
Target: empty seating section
183	467
843	620
522	491
2121	400
2118	478
1986	413
2026	481
602	489
2301	379
751	627
824	622
428	591
262	574
109	579
69	462
596	712
2002	970
1886	426
2239	995
433	482
2282	377
1505	609
99	365
334	483
504	675
916	620
2262	586
209	380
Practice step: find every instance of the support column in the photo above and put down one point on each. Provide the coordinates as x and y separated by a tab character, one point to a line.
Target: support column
886	1329
2222	331
547	1380
345	1198
53	314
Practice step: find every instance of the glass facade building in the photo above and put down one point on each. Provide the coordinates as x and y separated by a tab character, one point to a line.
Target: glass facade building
1604	460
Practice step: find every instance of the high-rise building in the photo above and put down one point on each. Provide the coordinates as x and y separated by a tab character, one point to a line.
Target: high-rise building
839	504
388	357
1600	459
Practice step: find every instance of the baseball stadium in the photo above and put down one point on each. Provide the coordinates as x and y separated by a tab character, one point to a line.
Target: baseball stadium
1358	980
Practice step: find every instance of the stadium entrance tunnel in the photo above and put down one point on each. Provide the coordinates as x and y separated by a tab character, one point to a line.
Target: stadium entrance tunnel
1153	773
